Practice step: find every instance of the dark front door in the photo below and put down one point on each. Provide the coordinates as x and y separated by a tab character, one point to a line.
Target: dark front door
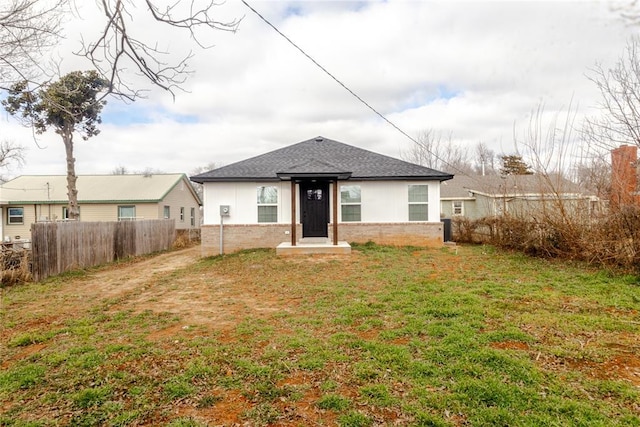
314	208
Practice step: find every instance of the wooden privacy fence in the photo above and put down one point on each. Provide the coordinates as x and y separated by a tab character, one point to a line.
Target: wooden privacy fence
62	246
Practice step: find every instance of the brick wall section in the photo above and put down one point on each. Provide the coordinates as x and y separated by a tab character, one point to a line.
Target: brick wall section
238	237
395	234
624	176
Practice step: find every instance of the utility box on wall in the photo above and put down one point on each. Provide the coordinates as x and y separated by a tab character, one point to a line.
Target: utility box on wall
224	210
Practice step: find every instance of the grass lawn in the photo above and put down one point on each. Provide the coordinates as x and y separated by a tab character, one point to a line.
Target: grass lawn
466	336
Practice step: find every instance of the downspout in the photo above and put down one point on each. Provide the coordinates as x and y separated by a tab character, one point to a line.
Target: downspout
293	213
335	212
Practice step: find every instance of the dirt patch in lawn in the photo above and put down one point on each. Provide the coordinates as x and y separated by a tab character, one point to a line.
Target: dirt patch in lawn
220	296
215	300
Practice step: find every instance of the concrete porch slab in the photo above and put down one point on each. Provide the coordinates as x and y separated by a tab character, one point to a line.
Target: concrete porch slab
285	248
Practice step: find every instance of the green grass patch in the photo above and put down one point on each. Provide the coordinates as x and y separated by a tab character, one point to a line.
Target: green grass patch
333	402
422	337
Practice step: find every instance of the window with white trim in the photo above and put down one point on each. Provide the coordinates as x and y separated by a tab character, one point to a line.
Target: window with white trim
126	213
65	212
193	217
457	207
15	215
167	212
267	204
350	203
182	214
418	202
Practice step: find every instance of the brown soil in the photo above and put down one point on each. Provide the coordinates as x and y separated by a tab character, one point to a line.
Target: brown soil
217	301
198	300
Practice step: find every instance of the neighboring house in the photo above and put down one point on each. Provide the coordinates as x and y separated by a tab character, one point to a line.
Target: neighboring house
320	191
34	198
476	196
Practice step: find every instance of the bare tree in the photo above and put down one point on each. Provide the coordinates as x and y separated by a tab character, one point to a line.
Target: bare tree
118	47
619	121
628	11
593	173
10	154
433	150
197	171
149	171
120	170
28	28
549	143
485	159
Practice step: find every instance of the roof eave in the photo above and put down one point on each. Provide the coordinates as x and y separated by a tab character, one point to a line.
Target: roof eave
288	176
404	178
203	180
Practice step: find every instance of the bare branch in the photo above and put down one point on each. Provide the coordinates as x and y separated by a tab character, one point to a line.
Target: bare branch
27	29
619	121
434	150
11	154
118	47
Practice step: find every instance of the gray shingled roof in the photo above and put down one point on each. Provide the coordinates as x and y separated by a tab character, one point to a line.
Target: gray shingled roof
324	157
494	185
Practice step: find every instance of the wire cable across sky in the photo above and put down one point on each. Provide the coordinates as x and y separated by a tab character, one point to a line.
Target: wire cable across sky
355	95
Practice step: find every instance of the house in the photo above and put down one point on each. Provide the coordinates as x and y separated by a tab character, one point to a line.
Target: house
476	196
323	192
33	198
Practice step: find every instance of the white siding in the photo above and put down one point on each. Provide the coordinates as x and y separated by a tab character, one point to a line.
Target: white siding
180	197
19	231
382	201
388	201
242	198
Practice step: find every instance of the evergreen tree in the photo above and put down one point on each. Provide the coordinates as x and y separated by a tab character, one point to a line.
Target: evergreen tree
514	165
68	105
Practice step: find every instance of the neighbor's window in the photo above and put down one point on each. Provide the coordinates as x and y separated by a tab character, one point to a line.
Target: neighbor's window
167	212
350	203
181	214
268	204
193	217
458	207
418	202
126	213
15	215
65	212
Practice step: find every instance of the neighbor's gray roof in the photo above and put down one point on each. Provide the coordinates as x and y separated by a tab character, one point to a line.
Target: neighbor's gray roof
91	188
494	185
324	157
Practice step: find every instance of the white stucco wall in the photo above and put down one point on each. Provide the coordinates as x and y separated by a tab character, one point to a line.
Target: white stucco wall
382	201
388	201
242	199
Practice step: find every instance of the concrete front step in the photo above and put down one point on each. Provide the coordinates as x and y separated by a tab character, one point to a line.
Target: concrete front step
285	248
312	240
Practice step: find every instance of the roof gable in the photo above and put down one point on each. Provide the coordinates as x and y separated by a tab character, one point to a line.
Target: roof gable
92	188
320	156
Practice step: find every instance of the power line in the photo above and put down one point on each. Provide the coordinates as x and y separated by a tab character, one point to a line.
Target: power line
379	114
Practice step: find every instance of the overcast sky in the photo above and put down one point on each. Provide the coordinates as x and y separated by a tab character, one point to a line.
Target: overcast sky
473	69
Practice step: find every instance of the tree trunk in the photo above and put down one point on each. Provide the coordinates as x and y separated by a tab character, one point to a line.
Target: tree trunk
72	191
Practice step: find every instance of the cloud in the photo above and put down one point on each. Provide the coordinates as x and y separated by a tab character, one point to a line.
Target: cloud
474	69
